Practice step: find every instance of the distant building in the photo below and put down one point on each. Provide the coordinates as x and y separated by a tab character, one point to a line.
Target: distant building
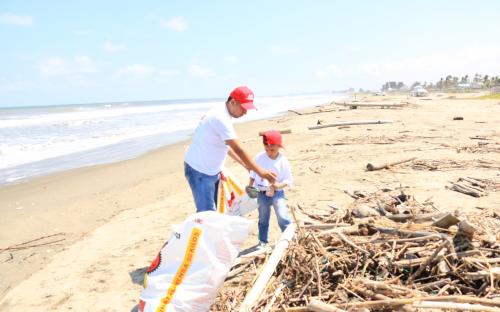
476	85
404	88
419	91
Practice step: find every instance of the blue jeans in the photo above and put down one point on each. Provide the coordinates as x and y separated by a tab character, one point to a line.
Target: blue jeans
279	204
204	188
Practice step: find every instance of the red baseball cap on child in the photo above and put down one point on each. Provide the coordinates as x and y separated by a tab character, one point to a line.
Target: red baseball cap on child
272	137
244	96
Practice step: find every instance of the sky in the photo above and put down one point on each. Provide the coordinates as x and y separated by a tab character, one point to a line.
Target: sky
62	52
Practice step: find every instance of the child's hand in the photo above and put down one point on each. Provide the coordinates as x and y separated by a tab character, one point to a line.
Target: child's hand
275	186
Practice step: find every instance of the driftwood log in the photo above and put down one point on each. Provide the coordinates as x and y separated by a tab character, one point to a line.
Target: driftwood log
284	131
311	113
268	270
378	264
469	186
319	306
372	104
371	167
351	123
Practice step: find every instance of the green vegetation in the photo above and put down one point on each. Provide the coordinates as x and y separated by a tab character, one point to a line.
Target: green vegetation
450	83
493	96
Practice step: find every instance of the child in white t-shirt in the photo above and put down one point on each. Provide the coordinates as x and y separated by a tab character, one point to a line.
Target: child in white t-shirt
272	194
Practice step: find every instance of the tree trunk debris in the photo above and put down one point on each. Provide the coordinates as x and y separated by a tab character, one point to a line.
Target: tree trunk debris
374	263
350	123
284	131
371	167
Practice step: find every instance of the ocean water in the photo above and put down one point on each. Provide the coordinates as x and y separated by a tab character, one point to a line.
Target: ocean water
37	141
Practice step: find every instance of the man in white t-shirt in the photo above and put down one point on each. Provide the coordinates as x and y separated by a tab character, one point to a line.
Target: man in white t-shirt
213	139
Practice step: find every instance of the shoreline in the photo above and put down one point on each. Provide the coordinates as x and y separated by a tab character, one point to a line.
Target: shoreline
175	123
116	216
65	201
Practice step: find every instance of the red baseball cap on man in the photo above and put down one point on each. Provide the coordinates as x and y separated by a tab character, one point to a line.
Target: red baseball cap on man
272	137
244	96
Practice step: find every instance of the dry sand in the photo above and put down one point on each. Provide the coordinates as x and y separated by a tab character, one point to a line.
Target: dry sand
115	217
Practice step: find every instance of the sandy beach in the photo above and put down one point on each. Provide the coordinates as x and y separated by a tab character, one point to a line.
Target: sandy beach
81	240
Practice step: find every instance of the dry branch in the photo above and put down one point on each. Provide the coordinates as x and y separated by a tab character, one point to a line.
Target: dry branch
378	264
284	131
453	306
350	123
371	167
319	306
29	244
261	282
372	104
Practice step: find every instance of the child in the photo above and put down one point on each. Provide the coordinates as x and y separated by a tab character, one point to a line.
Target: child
272	194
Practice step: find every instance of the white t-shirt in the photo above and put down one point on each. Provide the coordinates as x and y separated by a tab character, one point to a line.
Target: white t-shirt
208	149
280	166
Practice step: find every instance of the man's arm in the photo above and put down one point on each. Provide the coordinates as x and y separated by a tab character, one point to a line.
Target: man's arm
236	158
249	163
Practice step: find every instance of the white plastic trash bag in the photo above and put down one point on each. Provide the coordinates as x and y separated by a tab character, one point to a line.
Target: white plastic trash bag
231	196
192	265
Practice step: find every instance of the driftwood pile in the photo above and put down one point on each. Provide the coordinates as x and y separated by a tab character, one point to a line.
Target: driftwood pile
385	202
370	139
475	187
355	105
480	147
450	164
339	262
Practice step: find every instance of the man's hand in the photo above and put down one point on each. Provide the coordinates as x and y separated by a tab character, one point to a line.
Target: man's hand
248	162
268	175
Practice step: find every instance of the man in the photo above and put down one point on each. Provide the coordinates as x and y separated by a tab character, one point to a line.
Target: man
213	139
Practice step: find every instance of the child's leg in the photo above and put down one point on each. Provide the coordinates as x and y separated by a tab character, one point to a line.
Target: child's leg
280	209
264	216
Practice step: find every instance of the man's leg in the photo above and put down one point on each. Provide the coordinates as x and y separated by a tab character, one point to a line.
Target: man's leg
202	187
216	192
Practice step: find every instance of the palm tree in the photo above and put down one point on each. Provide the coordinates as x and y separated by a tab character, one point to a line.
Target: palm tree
486	81
440	83
447	81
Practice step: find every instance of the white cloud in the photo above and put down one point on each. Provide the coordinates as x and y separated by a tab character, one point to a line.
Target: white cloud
54	66
196	70
169	73
470	60
57	66
17	84
176	23
231	59
16	20
136	70
84	64
113	47
283	50
329	72
319	73
369	69
336	70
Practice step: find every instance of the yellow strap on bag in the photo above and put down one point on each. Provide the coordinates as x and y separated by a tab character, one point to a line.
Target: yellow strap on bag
181	272
229	191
